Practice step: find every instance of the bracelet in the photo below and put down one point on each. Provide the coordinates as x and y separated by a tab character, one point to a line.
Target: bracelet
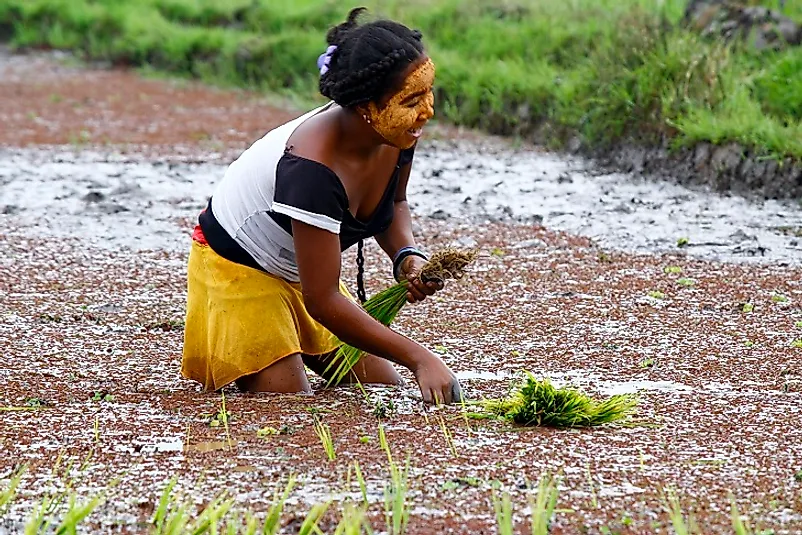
403	253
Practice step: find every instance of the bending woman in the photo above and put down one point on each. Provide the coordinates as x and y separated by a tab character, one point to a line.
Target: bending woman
264	291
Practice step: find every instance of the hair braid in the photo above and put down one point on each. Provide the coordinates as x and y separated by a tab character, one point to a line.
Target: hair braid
368	59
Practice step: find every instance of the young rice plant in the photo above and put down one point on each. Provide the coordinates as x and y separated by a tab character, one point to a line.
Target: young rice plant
539	403
448	263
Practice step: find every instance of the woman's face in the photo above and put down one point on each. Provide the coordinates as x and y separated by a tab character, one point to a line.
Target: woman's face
401	118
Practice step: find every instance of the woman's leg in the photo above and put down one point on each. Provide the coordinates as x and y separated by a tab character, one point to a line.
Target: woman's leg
369	369
286	375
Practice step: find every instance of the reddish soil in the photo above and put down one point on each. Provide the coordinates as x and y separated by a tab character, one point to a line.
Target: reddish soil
719	406
47	102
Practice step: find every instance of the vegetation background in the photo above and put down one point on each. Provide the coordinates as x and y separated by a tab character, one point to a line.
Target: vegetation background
603	70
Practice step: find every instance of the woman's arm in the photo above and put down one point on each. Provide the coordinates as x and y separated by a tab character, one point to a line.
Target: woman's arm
318	256
398	235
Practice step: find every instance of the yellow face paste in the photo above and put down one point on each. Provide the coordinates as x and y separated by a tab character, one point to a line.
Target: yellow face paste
401	120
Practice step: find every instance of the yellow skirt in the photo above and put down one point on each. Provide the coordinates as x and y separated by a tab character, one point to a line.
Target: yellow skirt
241	320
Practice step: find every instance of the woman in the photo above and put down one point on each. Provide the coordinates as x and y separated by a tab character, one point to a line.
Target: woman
264	291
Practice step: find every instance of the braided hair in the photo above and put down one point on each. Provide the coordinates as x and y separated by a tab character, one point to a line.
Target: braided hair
369	59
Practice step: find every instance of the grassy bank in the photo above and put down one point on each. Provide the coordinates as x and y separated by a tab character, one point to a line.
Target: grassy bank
605	69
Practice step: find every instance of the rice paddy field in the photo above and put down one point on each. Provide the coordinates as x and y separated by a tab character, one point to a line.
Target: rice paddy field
100	434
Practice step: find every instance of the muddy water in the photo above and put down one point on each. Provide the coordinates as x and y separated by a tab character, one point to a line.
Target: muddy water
117	201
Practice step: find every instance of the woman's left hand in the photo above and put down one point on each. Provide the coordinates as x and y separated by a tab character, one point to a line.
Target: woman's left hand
417	290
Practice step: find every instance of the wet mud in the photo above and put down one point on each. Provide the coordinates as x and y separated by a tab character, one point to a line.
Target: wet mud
573	283
120	201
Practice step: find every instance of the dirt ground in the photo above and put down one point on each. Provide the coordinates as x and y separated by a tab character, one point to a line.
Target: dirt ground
91	340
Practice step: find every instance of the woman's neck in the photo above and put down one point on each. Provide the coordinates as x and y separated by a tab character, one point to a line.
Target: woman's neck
356	135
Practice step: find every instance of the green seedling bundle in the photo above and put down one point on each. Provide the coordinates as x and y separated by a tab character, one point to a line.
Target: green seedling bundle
539	403
448	263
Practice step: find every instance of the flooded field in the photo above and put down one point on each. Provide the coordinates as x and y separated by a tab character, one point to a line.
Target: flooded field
116	201
580	280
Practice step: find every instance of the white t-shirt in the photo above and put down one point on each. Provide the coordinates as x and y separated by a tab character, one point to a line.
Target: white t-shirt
267	187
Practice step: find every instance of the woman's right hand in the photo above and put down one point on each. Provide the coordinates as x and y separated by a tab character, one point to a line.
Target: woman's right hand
437	382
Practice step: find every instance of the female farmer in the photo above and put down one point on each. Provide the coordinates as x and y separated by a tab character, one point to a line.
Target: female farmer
264	292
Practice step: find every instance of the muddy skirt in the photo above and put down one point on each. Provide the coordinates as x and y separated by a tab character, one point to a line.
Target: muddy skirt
241	320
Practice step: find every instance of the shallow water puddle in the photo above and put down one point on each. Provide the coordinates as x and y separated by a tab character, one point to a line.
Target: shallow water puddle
169	444
118	202
491	376
214	445
582	379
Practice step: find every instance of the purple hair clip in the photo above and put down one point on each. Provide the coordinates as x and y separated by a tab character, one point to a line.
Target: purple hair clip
325	58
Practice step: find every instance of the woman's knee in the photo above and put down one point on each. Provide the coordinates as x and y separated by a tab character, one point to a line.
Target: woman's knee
286	376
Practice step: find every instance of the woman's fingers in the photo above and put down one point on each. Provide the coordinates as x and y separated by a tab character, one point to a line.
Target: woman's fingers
414	292
418	290
427	396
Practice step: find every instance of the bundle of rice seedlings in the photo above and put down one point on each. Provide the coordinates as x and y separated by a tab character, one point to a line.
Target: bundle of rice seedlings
448	263
539	403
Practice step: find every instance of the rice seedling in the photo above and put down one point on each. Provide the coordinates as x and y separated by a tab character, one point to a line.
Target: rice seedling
315	514
684	281
798	324
160	518
747	308
267	432
42	517
273	519
175	516
594	500
655	294
503	509
324	434
539	403
7	496
36	403
739	525
363	487
679	523
102	396
382	409
224	416
396	513
779	298
672	270
543	506
448	263
212	515
448	437
797	343
354	521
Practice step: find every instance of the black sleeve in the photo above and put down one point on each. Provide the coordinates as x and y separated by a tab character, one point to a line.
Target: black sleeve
309	191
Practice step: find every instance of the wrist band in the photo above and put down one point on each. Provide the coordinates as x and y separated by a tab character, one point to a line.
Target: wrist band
403	253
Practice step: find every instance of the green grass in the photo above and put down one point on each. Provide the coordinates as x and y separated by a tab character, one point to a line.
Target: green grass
605	70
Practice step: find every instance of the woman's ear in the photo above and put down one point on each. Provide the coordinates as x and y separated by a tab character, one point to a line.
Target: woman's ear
367	111
362	110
